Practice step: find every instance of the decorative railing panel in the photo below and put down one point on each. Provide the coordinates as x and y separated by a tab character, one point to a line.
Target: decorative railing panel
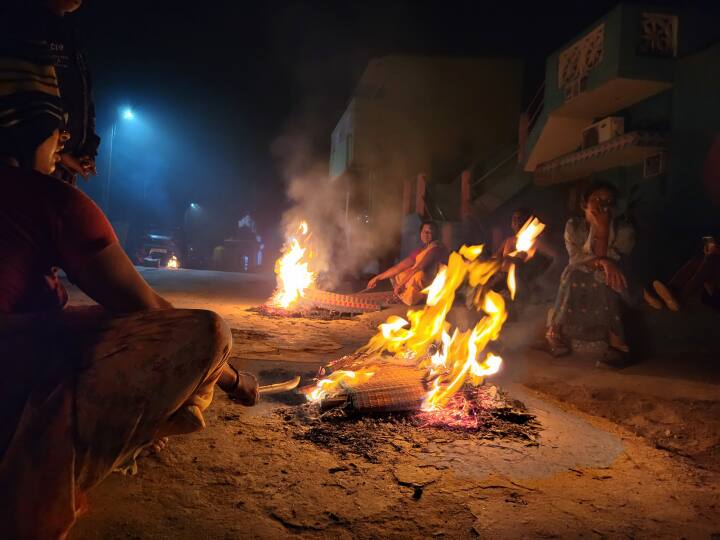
577	60
658	34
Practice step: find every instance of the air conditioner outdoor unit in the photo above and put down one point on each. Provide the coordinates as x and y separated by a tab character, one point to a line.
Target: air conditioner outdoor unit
602	131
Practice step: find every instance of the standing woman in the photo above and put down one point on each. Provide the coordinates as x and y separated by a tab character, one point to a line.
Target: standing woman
593	285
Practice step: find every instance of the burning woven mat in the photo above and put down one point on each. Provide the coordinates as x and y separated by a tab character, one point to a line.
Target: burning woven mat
392	389
300	313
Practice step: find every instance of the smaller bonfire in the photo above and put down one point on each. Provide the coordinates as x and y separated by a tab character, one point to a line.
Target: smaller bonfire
297	292
293	270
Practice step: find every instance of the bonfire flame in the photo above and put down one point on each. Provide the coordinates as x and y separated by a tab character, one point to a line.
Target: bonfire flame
292	269
450	360
524	243
173	263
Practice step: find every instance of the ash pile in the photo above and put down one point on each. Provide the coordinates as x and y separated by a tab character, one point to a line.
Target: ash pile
385	413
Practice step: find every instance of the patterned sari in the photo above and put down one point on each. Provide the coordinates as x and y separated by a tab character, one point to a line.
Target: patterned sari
585	307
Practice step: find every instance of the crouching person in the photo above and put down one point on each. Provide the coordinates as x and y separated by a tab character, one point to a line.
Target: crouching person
593	287
83	390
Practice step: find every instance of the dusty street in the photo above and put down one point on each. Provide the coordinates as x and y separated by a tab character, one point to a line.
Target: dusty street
630	454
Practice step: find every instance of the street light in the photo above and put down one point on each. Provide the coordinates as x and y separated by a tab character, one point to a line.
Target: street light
127	115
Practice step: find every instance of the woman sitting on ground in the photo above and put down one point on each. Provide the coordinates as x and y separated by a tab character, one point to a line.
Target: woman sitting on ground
589	300
416	272
82	390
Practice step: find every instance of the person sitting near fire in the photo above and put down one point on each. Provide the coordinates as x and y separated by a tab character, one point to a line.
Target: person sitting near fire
528	268
83	390
415	272
589	301
700	276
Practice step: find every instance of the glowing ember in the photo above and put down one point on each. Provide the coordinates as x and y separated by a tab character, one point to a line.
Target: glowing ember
468	410
451	360
292	269
173	263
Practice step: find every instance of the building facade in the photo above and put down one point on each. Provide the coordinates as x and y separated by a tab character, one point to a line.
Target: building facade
634	100
420	116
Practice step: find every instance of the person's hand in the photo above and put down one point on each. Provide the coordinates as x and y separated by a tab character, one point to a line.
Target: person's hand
246	392
600	217
614	278
84	166
372	283
88	166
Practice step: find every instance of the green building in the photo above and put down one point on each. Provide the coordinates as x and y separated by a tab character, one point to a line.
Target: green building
634	99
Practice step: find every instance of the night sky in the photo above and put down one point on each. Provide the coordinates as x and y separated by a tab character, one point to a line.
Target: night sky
220	85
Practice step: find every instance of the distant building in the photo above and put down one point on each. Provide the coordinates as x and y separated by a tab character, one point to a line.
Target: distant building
414	116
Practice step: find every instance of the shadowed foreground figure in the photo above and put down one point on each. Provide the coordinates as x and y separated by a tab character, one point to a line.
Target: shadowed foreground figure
700	276
83	390
416	271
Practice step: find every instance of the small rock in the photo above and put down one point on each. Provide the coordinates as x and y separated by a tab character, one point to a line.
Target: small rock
410	475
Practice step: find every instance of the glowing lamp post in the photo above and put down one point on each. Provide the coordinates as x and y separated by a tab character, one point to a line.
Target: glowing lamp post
126	115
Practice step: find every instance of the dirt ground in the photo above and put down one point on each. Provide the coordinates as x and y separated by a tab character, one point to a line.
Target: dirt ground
631	454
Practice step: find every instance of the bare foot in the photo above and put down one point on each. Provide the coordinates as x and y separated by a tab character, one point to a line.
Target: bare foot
158	445
616	343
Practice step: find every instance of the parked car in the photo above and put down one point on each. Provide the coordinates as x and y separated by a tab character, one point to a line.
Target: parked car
157	249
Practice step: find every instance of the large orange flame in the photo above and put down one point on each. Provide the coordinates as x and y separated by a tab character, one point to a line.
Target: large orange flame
424	337
292	269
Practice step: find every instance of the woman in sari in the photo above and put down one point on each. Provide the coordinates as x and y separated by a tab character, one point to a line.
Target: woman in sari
593	286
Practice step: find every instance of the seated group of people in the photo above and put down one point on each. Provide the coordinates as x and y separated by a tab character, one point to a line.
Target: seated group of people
594	289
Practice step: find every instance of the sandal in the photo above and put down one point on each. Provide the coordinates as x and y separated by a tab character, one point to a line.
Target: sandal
239	391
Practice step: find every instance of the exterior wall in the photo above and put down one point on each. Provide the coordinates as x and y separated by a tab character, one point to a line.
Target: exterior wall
341	142
695	125
621	54
670	211
431	115
604	71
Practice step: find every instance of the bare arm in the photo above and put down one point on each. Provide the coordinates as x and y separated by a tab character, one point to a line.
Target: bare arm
393	271
423	261
112	281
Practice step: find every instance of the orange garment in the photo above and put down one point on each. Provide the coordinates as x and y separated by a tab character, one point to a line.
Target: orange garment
418	280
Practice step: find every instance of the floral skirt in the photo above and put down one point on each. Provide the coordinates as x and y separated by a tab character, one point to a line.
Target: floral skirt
585	308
